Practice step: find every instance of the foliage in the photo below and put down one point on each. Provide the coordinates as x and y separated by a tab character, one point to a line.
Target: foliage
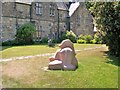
12	43
107	19
68	35
25	33
44	40
93	41
98	38
62	37
81	37
7	43
81	41
88	38
85	38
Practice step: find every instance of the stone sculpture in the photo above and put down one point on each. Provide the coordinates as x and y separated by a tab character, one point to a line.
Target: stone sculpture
64	58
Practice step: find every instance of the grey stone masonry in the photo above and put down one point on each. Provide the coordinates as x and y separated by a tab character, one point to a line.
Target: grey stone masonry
82	21
49	18
0	21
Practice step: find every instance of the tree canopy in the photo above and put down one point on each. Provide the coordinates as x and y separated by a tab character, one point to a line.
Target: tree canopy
107	20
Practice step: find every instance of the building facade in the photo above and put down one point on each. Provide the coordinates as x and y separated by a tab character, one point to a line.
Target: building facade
14	14
49	18
81	20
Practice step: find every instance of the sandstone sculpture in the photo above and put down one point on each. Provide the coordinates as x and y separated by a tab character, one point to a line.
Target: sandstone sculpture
64	58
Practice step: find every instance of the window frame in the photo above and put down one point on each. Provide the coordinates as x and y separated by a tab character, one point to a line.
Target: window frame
52	10
38	8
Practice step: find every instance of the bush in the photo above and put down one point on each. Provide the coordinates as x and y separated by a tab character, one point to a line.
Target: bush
93	41
98	38
80	41
81	37
7	43
10	43
88	38
44	40
54	40
70	35
25	33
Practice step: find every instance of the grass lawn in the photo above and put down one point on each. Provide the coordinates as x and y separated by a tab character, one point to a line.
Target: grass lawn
8	52
96	70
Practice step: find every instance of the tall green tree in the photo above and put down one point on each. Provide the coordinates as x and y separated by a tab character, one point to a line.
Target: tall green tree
107	19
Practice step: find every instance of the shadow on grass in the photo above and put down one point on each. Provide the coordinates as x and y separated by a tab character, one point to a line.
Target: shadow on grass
4	47
112	59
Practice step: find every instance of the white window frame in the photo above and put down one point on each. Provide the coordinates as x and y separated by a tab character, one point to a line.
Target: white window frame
38	8
52	10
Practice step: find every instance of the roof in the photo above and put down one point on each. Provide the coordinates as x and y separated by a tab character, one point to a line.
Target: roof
24	1
73	8
61	6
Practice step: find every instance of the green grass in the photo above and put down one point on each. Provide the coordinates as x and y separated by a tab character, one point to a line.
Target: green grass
16	51
96	70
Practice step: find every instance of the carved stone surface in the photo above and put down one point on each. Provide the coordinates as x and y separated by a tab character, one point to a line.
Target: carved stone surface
65	57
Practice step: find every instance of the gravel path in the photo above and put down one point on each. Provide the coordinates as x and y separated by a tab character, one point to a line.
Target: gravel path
40	55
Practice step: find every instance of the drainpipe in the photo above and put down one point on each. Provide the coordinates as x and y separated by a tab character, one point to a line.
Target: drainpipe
16	15
1	21
58	26
31	12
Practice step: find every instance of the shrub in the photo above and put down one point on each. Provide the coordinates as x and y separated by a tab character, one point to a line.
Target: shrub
44	40
7	43
70	35
25	33
93	41
10	43
54	40
81	37
88	38
81	41
98	38
62	37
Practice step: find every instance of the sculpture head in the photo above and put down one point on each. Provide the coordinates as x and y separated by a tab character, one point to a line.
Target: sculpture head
67	43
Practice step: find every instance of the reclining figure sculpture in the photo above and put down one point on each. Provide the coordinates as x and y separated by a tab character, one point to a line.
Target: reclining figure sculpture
64	59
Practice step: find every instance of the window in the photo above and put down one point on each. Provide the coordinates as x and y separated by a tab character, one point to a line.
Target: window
52	10
39	8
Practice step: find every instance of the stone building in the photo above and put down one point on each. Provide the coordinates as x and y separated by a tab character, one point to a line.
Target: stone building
80	18
0	20
48	17
14	14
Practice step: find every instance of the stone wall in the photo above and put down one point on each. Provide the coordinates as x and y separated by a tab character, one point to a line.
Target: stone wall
9	28
23	10
0	21
46	24
81	21
13	16
8	9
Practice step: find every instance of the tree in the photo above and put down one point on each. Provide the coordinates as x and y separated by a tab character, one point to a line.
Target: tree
25	33
107	19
